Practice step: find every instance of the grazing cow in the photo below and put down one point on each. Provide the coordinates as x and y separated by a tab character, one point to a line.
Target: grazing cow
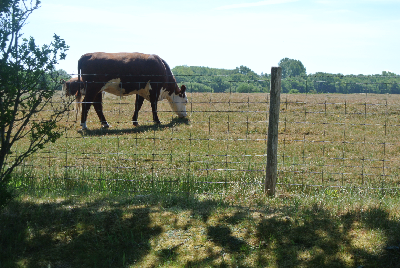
74	88
123	74
71	87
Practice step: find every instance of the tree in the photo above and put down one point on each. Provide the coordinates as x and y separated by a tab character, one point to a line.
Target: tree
291	68
62	74
28	81
247	88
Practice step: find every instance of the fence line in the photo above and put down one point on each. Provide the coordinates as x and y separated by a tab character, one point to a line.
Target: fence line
325	140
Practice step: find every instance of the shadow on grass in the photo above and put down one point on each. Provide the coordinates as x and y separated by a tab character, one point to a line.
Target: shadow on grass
75	234
65	235
119	232
140	129
318	239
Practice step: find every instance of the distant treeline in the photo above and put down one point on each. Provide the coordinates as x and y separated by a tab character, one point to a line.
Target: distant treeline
294	80
205	79
243	79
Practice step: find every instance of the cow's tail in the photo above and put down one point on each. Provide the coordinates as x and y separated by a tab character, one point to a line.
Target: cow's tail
78	96
79	69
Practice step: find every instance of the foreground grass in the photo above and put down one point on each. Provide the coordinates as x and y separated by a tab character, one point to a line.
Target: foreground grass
325	229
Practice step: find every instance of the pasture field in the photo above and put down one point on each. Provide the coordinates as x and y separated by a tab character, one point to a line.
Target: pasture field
188	193
324	140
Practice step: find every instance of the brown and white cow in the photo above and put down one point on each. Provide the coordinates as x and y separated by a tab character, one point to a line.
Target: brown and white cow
73	87
146	75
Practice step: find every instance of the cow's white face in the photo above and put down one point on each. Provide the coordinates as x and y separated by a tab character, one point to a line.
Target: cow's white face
178	104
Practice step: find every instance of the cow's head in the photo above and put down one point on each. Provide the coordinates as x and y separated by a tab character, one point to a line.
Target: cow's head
178	101
71	87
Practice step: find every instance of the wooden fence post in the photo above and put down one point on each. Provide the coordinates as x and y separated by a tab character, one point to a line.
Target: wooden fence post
272	143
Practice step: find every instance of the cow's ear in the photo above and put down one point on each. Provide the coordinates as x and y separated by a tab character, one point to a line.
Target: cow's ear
183	89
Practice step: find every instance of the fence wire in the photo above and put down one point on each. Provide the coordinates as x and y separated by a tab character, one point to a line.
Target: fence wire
325	140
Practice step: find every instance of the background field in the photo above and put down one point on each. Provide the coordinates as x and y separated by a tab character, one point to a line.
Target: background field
324	140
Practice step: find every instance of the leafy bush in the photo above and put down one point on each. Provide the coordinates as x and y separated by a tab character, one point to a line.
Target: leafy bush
28	81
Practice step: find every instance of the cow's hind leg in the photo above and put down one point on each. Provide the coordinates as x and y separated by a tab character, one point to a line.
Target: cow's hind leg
138	105
98	106
86	103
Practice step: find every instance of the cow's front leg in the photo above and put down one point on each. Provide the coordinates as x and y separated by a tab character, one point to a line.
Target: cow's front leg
154	94
138	105
154	110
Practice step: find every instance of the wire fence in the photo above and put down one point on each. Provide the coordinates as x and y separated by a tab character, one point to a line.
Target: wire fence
325	140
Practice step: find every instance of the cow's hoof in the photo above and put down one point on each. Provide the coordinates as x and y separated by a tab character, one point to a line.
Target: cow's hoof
136	124
105	126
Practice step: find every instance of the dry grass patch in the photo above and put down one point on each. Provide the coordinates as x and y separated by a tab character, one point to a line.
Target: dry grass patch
325	139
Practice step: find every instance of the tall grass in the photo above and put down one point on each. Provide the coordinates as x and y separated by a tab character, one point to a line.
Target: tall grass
325	140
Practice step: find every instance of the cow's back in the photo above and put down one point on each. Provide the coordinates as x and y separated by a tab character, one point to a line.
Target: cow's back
130	67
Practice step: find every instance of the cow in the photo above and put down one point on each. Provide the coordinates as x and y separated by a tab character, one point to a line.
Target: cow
73	87
122	74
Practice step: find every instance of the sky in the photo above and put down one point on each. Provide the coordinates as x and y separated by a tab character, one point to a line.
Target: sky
332	36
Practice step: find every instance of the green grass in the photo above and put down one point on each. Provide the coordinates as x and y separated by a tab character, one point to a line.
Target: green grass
326	229
324	139
189	193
